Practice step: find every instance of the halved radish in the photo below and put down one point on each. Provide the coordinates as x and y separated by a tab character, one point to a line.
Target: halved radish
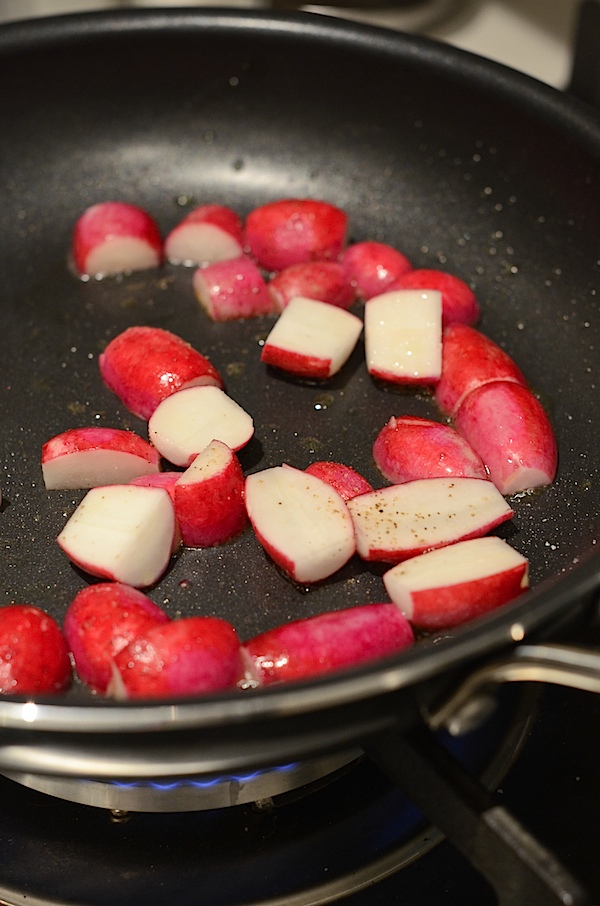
86	457
208	233
121	532
459	302
324	281
403	336
403	520
372	267
34	655
115	237
183	424
232	289
454	584
302	522
344	479
166	480
311	339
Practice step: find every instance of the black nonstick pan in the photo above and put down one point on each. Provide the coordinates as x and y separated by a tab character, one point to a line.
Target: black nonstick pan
462	164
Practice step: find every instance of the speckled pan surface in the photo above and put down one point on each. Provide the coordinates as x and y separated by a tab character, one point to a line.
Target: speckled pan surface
459	163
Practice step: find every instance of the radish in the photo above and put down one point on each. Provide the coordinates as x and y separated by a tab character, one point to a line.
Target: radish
208	233
183	424
327	642
86	457
144	365
34	655
510	430
301	522
459	303
190	656
403	520
409	447
209	497
403	341
372	267
232	289
114	237
324	281
121	532
293	230
311	339
344	479
470	359
100	621
166	480
454	584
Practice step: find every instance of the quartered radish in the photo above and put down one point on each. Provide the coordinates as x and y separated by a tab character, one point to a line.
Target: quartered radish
183	424
115	237
189	656
208	233
344	479
403	336
209	497
301	522
372	267
509	429
166	480
326	642
232	289
100	621
123	533
34	655
470	359
403	520
409	447
292	230
144	365
311	339
86	457
325	281
454	584
459	302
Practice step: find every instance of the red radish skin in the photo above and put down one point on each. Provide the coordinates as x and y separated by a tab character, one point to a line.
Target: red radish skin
459	302
450	586
100	621
408	448
190	656
403	520
330	641
232	290
294	230
343	479
469	360
512	433
322	280
86	457
209	233
145	365
403	337
373	267
34	655
209	498
115	237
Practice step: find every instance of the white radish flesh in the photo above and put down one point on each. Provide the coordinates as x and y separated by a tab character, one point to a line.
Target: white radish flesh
403	336
86	457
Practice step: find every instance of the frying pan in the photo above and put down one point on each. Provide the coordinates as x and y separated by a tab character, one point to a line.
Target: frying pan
462	164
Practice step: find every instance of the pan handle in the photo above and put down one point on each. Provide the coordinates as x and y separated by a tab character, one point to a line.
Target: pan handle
564	665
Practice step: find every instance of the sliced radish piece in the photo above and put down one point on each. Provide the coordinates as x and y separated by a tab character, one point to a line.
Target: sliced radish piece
459	302
123	533
114	237
469	360
183	424
144	365
166	480
403	336
327	642
86	457
510	430
34	655
409	447
344	479
293	230
302	522
454	584
403	520
372	267
209	233
311	339
209	497
324	281
232	289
